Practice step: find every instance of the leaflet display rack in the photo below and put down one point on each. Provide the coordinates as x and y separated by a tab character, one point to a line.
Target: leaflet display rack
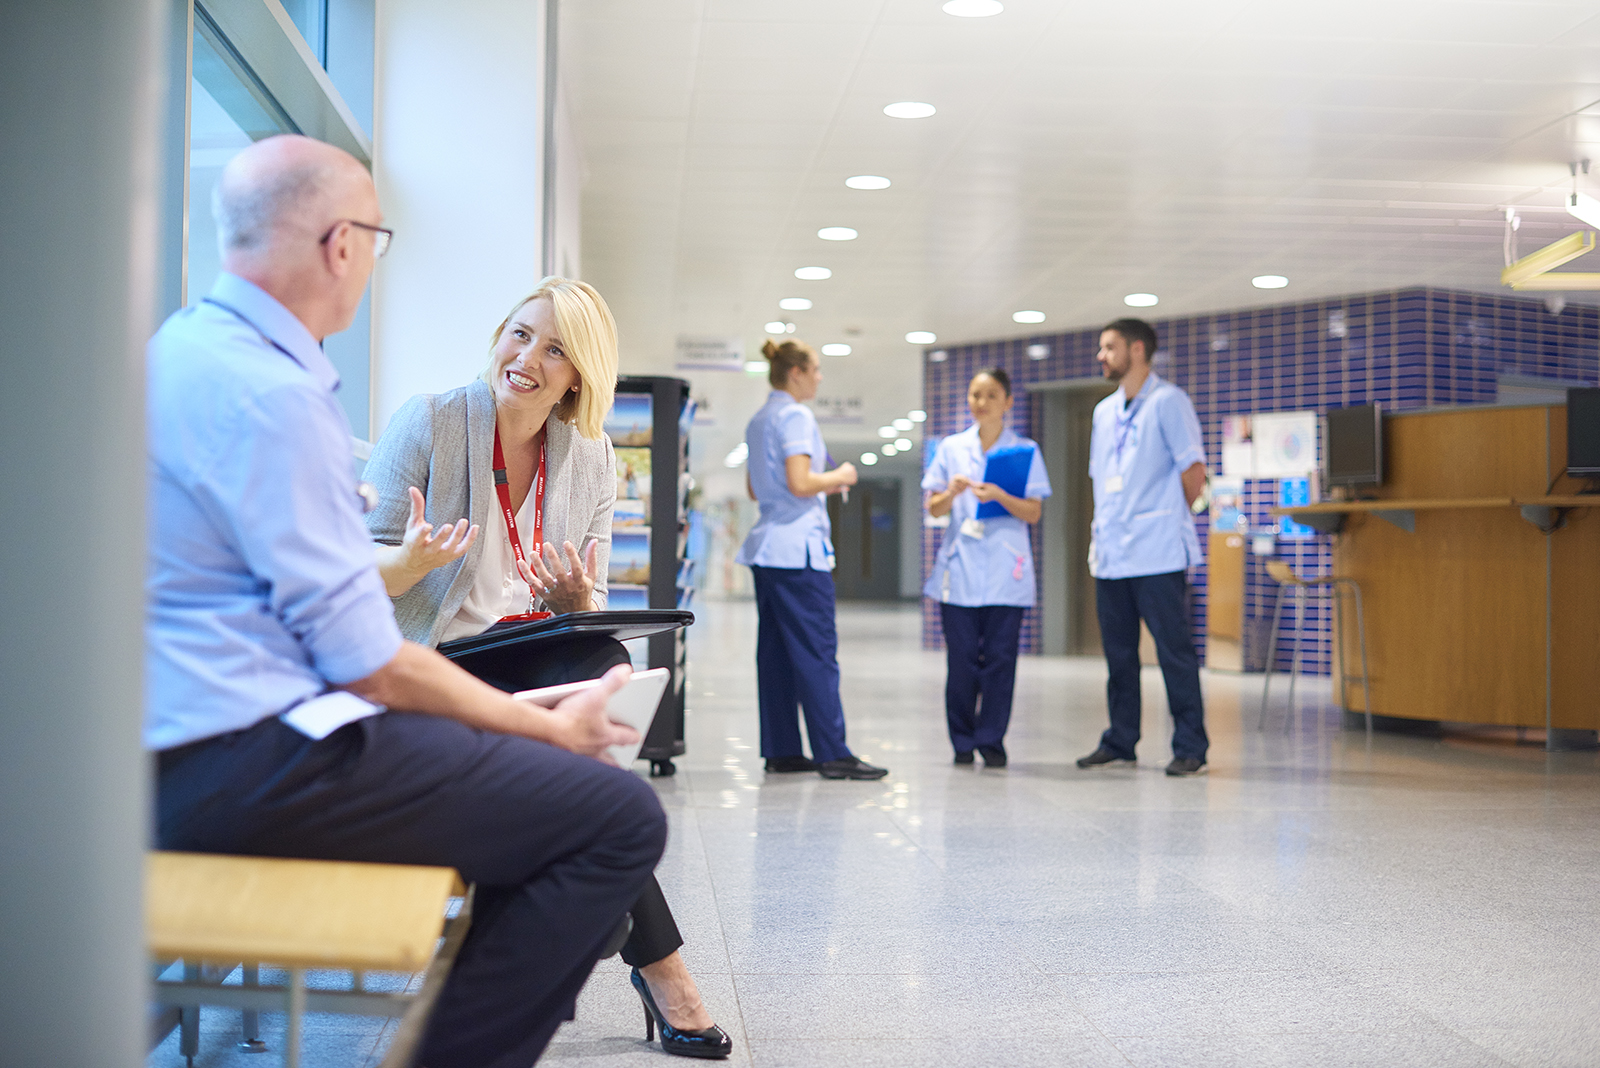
649	429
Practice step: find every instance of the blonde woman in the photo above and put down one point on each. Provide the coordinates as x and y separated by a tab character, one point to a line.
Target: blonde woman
522	450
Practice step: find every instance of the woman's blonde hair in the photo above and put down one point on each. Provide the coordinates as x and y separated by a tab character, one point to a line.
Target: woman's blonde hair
785	358
589	337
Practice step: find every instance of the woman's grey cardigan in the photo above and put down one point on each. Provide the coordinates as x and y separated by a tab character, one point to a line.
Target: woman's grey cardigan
443	444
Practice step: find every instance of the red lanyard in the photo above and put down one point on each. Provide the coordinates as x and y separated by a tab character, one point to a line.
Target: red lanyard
502	489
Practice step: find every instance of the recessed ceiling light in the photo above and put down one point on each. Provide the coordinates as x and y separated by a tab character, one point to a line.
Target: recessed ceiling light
917	415
813	274
869	458
837	233
889	449
909	109
757	367
867	181
974	9
1141	300
776	327
903	425
1269	281
903	444
795	304
886	431
1027	317
921	337
836	350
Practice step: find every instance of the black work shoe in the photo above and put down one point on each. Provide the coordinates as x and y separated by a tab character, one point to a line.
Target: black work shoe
850	767
1100	757
963	756
994	756
791	763
1186	766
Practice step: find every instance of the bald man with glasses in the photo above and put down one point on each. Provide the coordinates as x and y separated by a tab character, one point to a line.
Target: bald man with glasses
287	715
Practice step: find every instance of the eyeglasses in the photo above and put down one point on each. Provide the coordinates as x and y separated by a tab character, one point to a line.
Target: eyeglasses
380	236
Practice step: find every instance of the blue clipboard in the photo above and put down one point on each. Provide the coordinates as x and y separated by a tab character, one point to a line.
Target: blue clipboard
1007	468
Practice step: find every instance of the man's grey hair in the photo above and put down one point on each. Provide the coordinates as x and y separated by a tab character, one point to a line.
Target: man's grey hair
249	212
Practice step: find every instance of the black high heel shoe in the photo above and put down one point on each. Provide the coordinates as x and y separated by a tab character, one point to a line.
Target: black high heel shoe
712	1043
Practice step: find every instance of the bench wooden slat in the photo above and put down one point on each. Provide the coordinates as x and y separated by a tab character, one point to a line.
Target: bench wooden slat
295	913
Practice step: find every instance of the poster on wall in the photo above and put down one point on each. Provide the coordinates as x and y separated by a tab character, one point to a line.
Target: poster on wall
1284	444
1238	451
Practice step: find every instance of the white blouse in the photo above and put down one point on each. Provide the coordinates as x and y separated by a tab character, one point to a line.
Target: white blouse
497	589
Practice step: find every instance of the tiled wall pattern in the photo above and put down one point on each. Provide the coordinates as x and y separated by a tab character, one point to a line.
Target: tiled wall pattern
1407	349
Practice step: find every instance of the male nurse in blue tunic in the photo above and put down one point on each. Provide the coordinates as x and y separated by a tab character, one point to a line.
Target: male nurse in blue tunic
1149	467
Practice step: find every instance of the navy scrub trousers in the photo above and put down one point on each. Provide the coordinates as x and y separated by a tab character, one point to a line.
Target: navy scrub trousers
797	663
980	663
1162	601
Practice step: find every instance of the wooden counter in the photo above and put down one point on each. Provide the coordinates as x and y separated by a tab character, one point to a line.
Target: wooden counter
1474	613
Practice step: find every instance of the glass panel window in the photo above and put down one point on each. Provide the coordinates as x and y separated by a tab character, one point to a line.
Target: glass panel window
310	17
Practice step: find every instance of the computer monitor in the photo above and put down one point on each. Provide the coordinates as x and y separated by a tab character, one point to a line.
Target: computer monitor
1583	432
1355	446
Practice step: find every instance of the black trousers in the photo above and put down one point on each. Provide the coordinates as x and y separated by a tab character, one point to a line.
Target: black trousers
980	662
655	932
1162	601
559	846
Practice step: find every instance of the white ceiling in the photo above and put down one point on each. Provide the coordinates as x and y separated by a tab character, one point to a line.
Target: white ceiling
1081	151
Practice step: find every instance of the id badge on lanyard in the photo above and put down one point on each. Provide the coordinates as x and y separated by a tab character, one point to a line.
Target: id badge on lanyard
502	489
1114	483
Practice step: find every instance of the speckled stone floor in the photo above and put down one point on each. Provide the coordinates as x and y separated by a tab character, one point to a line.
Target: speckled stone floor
1315	900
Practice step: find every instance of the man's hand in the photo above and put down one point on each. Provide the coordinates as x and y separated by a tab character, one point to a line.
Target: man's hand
564	589
580	722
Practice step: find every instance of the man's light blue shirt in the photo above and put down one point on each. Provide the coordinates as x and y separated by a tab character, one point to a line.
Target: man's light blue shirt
262	588
792	531
1137	455
998	567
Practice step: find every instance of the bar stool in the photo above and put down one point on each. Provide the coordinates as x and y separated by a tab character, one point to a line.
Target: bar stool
1285	576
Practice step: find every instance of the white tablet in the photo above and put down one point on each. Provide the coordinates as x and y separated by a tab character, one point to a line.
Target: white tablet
634	705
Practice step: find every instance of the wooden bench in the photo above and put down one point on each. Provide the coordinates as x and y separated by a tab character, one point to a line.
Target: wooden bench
214	912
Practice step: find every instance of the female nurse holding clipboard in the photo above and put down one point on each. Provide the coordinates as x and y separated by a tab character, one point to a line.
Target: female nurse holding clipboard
983	575
790	553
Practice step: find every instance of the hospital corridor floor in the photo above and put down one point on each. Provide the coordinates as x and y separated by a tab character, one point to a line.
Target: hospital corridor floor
1315	900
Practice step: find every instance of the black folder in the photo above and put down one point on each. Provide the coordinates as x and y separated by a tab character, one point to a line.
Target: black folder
639	623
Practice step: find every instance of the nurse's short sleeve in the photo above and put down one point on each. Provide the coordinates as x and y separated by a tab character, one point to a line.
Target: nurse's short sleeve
1180	426
1038	477
937	477
797	430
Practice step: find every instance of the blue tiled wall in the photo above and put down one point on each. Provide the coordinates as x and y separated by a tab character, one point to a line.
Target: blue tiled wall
1410	348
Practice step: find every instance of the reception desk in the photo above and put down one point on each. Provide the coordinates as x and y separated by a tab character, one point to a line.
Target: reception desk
1482	588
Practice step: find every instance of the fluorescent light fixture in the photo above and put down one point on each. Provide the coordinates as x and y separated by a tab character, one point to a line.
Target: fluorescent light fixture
837	233
1529	271
776	327
867	181
1141	300
1585	208
921	337
886	431
903	444
756	367
836	350
1027	317
1038	351
795	304
909	109
889	449
917	415
903	425
1269	281
812	274
868	459
973	9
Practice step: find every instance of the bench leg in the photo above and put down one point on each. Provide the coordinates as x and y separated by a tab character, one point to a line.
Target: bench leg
251	1039
189	1019
297	1011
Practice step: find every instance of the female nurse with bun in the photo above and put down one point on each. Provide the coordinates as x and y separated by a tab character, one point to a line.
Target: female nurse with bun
983	575
790	554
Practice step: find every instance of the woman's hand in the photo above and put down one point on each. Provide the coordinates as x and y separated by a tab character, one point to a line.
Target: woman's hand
985	491
846	475
423	548
959	483
564	588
